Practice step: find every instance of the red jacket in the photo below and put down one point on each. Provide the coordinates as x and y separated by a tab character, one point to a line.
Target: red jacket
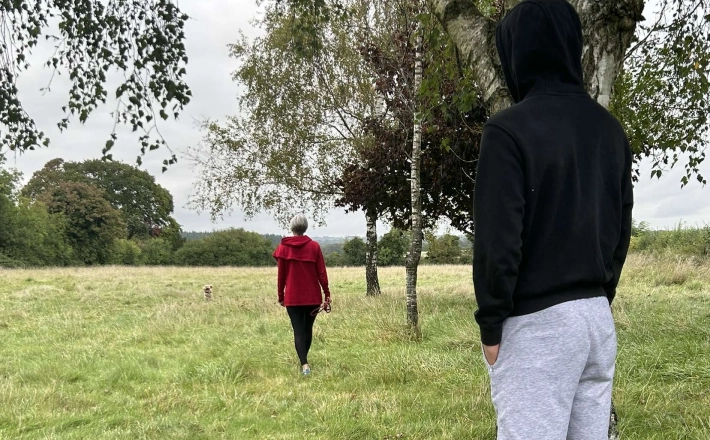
301	272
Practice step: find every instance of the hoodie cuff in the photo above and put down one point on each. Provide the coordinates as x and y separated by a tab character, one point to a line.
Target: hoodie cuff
491	336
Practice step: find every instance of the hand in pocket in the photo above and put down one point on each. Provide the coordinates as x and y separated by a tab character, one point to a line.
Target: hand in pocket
491	353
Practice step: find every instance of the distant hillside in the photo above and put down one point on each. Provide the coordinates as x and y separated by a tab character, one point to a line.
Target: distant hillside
190	236
331	240
327	240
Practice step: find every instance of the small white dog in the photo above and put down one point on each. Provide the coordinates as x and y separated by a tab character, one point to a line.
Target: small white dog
208	292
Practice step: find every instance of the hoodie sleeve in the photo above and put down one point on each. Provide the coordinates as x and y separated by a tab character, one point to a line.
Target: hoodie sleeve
322	273
499	208
622	248
282	276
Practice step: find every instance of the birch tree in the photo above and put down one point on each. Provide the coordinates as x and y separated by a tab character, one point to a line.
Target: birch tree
452	117
300	124
415	250
441	115
143	39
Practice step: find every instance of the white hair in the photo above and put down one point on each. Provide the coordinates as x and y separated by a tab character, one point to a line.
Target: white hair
299	224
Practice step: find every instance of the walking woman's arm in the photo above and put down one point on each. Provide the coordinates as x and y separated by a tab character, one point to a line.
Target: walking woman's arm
282	274
322	274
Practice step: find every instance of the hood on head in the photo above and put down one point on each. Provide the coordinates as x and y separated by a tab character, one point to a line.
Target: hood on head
296	241
540	44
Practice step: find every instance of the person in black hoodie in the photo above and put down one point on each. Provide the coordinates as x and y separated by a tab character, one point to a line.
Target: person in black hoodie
553	204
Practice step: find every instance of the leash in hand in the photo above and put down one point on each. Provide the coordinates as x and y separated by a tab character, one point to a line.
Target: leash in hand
325	307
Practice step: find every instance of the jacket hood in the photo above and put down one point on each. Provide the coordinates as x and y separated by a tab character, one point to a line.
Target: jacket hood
540	45
294	248
296	241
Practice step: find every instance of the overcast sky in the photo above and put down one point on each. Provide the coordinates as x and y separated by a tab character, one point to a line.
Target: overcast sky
214	25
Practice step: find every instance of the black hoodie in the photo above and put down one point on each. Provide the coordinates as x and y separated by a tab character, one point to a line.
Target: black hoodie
553	190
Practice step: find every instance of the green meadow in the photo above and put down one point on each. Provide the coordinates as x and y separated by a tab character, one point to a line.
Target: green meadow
136	353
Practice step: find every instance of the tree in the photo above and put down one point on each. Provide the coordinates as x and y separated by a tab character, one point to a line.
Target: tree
335	259
443	250
30	234
9	182
372	254
143	39
452	117
400	87
273	238
145	205
40	237
378	180
232	247
125	253
172	234
639	229
393	247
300	124
670	58
92	223
665	56
355	252
297	125
333	254
415	248
662	96
157	252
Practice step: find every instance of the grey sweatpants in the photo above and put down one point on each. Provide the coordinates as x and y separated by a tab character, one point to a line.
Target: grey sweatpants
554	373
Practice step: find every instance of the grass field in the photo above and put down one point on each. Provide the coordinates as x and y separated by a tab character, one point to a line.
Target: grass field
135	353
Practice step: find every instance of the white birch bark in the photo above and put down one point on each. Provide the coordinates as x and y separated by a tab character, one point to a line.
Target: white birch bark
373	282
415	250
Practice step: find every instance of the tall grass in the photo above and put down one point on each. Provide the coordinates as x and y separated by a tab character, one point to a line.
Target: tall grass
118	353
679	241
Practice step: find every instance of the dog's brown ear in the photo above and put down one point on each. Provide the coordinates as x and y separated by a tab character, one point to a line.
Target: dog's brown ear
210	286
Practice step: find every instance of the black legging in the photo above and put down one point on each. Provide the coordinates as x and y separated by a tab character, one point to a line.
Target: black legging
302	323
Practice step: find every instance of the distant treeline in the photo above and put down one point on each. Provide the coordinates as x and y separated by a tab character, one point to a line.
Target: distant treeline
101	213
392	250
109	213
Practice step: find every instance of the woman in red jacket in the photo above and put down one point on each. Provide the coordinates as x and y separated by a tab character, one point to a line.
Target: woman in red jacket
301	276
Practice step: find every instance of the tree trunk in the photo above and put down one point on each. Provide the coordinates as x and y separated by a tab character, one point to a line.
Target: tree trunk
373	282
608	28
415	250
